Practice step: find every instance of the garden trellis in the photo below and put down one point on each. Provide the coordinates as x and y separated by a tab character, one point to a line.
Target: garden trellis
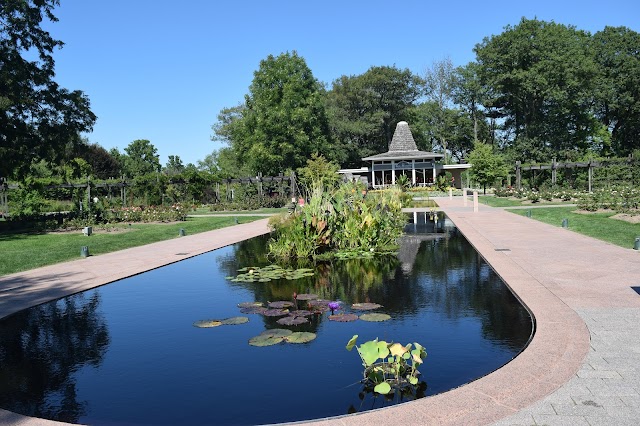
599	172
134	191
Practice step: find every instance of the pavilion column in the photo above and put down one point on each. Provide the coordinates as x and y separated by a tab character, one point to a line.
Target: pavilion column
413	172
393	172
433	165
373	174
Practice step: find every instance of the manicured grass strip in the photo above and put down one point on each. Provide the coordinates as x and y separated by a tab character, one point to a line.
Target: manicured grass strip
595	225
206	211
508	202
21	252
498	201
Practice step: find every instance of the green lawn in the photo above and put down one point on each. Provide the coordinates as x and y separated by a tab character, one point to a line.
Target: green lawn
596	225
509	202
206	211
499	201
21	252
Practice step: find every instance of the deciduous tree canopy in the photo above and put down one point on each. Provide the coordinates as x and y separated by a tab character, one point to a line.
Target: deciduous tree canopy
282	121
541	76
37	116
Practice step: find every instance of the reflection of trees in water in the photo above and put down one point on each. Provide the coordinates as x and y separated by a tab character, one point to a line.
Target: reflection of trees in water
448	275
41	348
461	284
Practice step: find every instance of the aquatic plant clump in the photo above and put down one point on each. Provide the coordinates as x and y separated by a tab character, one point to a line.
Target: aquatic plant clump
252	274
346	222
389	366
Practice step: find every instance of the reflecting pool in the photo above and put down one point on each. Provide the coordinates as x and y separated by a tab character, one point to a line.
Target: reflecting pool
128	353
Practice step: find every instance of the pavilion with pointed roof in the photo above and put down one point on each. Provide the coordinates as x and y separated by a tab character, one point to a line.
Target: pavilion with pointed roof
404	158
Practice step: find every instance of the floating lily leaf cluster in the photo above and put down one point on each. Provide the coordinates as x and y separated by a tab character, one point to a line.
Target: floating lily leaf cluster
389	366
279	335
348	317
209	323
252	274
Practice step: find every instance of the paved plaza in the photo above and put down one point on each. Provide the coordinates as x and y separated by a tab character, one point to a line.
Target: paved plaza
581	367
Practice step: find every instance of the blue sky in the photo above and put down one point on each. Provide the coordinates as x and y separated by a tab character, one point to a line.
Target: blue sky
162	70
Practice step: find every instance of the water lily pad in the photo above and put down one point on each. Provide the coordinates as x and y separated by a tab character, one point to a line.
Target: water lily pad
307	296
375	317
301	313
249	304
207	323
255	310
289	320
280	304
275	312
365	306
270	337
382	388
235	321
343	317
263	340
300	337
277	332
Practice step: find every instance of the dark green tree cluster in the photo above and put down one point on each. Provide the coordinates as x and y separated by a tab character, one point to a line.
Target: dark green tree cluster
556	91
536	91
38	118
282	121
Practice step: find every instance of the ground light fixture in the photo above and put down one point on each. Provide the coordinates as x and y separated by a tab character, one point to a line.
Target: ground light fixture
84	251
636	245
565	223
181	232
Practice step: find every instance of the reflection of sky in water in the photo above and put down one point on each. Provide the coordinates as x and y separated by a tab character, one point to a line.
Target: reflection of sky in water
159	369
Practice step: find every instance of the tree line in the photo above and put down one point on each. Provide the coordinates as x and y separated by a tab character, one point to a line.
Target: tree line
536	91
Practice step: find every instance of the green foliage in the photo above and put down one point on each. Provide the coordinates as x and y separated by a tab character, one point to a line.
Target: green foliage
38	118
444	180
618	103
27	204
176	212
621	199
487	166
363	111
142	158
389	366
403	182
439	88
342	220
318	173
282	121
540	78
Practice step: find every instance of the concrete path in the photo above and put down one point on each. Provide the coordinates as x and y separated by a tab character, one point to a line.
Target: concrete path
580	367
595	280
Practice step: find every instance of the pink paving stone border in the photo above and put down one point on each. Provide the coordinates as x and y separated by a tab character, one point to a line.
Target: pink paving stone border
553	356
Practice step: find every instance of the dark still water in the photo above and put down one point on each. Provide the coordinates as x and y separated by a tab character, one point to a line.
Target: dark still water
127	353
